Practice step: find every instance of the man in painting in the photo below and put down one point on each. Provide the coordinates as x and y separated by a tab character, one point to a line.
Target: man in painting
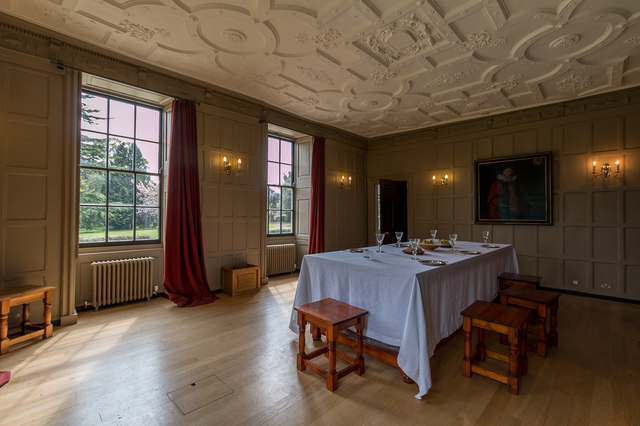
506	197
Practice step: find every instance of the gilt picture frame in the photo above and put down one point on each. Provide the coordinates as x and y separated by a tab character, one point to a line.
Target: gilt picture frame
514	190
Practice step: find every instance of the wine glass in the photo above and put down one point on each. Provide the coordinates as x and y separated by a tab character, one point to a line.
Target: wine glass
414	247
434	233
399	237
380	239
485	237
452	241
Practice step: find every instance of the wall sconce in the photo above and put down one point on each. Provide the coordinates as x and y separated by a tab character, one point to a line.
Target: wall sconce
227	166
443	181
344	181
605	170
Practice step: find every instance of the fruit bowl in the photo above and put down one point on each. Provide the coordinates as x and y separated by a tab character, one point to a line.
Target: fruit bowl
429	245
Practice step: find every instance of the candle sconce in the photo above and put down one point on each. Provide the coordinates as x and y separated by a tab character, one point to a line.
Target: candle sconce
227	166
605	170
344	181
443	181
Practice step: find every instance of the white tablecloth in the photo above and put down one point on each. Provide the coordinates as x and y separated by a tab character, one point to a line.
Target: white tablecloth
410	305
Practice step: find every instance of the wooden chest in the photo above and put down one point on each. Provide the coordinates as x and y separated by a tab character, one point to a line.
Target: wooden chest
240	278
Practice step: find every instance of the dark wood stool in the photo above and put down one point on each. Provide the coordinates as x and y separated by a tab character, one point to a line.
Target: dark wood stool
509	279
502	319
329	316
539	302
23	295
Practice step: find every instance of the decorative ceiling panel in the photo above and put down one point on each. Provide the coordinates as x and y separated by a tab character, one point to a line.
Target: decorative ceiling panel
372	67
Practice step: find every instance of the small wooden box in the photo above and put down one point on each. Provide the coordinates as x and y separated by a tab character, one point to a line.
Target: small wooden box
509	279
240	278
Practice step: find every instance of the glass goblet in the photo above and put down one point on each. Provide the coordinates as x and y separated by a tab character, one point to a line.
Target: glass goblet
398	237
485	237
452	240
414	247
380	239
434	233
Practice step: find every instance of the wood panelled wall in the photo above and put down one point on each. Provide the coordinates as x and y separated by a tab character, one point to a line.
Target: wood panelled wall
595	236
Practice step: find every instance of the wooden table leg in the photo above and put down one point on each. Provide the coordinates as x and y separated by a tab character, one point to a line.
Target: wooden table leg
332	374
553	324
302	326
48	327
514	368
466	362
542	330
4	327
359	346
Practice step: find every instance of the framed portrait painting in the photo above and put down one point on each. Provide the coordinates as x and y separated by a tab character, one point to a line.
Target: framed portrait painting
514	190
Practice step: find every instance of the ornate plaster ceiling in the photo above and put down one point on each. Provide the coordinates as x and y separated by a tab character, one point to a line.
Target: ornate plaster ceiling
371	67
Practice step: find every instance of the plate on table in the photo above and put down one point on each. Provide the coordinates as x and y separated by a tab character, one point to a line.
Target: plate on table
405	245
469	252
490	246
355	250
433	262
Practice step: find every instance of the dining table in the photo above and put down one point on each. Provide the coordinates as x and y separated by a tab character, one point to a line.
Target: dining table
412	304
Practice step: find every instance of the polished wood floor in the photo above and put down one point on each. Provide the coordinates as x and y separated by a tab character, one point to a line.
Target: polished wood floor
233	362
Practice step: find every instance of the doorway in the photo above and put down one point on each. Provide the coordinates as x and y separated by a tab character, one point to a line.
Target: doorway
391	209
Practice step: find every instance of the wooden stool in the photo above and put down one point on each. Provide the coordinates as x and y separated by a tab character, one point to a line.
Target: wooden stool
538	301
503	319
330	316
23	295
509	279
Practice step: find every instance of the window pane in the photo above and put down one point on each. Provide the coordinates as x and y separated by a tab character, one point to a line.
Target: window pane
93	113
287	223
93	149
93	186
121	118
286	153
120	189
287	199
274	150
121	153
274	197
147	157
273	174
92	224
274	222
147	124
120	223
147	224
147	190
286	175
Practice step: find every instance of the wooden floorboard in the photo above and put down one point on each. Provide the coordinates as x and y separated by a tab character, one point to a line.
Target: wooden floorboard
119	365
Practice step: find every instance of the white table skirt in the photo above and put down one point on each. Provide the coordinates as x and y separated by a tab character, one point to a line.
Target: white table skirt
410	305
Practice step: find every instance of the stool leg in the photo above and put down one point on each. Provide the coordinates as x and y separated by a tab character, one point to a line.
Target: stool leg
26	317
4	327
302	325
553	324
542	331
359	344
332	374
514	348
503	301
524	360
48	327
480	346
315	332
466	362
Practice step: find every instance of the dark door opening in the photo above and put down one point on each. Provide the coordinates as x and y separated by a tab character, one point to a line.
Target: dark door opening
392	209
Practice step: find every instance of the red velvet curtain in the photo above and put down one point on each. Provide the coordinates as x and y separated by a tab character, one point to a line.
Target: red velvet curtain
316	222
185	278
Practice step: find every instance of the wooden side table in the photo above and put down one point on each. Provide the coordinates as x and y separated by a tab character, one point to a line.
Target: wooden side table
539	302
502	319
330	316
509	279
23	295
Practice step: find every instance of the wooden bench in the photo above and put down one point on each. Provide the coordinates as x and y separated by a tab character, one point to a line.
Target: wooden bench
329	316
539	302
509	279
502	319
23	295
